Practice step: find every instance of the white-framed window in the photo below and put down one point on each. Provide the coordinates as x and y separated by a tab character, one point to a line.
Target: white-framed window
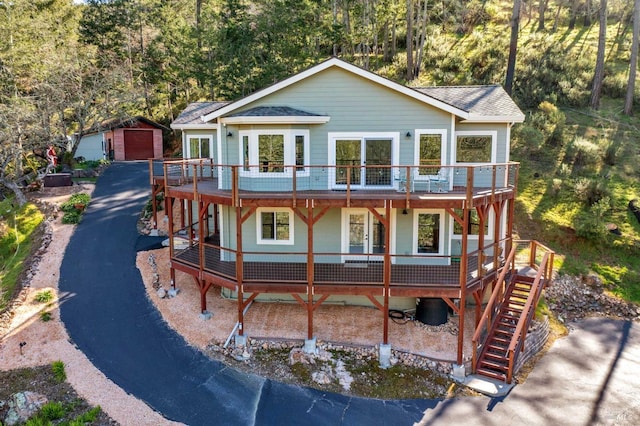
272	152
473	224
428	232
199	147
357	155
430	152
274	225
474	147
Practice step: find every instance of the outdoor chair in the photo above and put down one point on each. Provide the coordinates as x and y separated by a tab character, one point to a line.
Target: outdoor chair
441	181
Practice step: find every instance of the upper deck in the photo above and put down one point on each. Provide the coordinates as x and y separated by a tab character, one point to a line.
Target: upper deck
336	186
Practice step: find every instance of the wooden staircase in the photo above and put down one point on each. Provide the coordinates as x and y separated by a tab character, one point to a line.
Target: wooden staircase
493	361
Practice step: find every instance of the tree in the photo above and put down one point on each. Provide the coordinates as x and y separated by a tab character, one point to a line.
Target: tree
633	61
542	10
513	47
598	76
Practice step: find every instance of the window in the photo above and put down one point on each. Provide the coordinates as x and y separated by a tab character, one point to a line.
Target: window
245	152
270	151
199	148
473	224
300	152
476	147
428	232
274	226
430	151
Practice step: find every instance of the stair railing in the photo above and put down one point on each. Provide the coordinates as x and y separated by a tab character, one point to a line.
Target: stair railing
493	306
518	339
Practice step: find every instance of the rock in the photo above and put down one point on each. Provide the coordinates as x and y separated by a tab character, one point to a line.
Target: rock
22	406
161	293
321	377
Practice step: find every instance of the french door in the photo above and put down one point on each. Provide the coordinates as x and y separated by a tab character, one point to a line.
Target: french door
363	236
356	160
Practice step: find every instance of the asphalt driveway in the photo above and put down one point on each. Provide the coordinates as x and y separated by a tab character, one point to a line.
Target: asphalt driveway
108	316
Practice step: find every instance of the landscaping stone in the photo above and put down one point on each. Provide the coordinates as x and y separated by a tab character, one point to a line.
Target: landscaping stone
22	406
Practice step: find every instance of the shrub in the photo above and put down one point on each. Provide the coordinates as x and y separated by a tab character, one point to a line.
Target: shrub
45	316
72	218
45	296
610	153
58	371
591	224
585	154
591	191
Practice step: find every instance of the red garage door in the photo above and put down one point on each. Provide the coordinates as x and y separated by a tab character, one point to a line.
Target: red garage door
138	144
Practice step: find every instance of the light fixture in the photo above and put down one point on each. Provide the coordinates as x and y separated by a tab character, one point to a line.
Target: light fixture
229	134
408	135
405	211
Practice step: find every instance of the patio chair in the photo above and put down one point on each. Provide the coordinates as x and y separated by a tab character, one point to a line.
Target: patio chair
441	180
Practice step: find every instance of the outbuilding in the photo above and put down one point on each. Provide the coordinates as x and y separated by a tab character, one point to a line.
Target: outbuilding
134	138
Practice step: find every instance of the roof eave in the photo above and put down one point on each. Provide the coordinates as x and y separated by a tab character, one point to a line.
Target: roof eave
475	118
299	119
189	126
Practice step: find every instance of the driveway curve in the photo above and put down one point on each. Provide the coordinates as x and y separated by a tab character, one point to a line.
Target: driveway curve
109	317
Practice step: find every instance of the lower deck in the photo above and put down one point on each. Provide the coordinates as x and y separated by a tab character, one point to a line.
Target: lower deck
346	278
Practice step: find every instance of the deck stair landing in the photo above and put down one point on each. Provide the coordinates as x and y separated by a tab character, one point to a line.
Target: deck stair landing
493	361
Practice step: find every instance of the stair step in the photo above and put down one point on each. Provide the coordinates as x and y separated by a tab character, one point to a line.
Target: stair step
496	357
497	349
509	316
491	374
508	333
499	341
493	365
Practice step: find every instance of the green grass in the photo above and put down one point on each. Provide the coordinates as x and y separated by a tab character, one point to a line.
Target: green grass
58	371
45	296
557	181
17	228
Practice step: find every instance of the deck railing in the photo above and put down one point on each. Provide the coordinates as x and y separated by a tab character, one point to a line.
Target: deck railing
345	178
332	268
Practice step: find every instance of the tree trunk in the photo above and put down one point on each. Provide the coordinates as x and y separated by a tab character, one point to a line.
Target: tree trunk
541	12
574	14
556	19
513	47
20	198
587	14
410	69
633	61
599	72
424	20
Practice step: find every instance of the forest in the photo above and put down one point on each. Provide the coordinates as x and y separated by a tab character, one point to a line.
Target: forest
571	65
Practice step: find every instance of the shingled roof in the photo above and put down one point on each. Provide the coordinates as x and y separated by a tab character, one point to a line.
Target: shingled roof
195	110
274	111
480	101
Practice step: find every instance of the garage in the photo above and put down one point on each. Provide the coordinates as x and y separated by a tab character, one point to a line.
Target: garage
138	144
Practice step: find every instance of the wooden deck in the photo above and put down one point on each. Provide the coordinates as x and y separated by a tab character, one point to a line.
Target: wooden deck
207	190
353	278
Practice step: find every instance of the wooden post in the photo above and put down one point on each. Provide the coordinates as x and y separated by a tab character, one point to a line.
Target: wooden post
310	271
239	270
387	271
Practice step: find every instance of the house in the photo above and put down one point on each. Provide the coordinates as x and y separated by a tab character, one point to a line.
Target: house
338	185
135	138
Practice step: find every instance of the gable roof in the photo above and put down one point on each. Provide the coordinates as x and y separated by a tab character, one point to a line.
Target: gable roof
117	123
451	101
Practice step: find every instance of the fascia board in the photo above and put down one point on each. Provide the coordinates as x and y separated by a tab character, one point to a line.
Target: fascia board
276	120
